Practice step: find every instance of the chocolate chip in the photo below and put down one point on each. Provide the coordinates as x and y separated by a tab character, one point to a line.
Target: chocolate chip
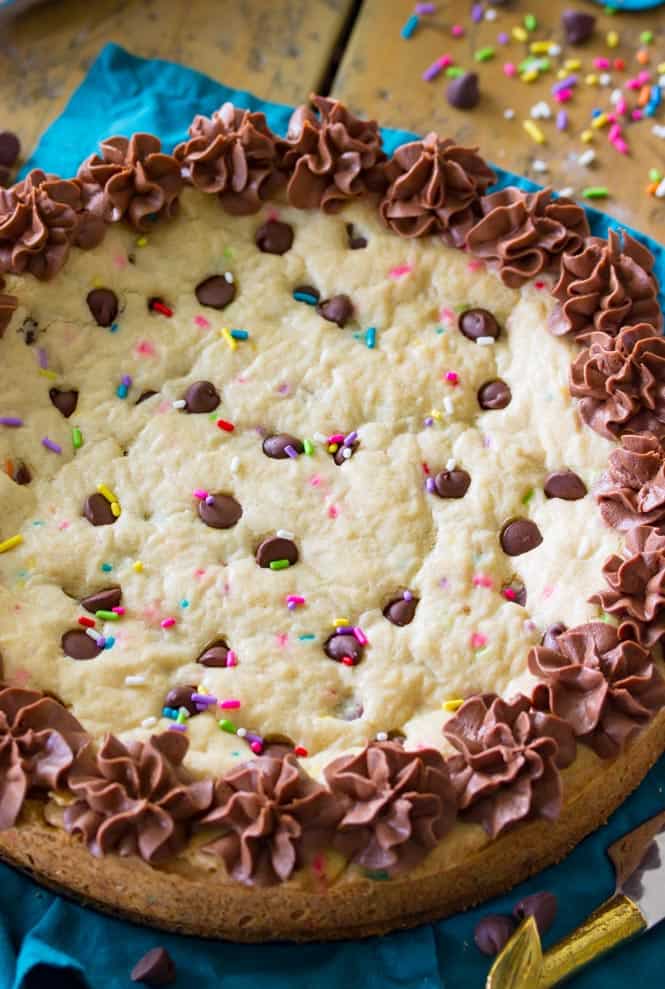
356	242
202	396
79	645
337	309
64	401
541	906
475	323
156	968
494	395
275	446
214	656
10	148
145	395
520	536
401	610
564	484
104	600
22	473
103	304
463	92
220	511
340	456
551	635
493	932
216	292
276	548
97	510
274	237
578	26
452	483
178	697
341	644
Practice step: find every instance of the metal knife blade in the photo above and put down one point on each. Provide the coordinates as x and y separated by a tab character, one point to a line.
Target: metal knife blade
639	861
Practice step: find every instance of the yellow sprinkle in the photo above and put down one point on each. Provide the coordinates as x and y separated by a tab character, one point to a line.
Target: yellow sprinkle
46	373
533	131
599	121
340	622
591	79
107	493
530	76
333	447
137	566
519	34
540	47
142	242
97	283
11	543
562	74
571	64
452	705
661	67
586	136
612	39
435	414
226	333
115	509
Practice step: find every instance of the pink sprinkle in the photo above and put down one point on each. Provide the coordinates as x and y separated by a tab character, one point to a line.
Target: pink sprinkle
315	481
457	31
231	658
452	377
636	114
336	438
478	640
145	348
482	580
474	265
120	261
444	61
614	133
621	146
399	270
201	494
282	639
167	622
229	705
256	747
202	322
622	106
643	77
63	525
294	599
360	636
446	315
333	511
563	95
119	610
601	63
632	84
548	591
198	573
509	594
510	69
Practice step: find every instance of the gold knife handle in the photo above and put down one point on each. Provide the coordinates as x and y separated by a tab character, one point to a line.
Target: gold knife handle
614	921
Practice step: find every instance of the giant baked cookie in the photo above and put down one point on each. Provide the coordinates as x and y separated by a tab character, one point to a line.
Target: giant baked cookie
324	607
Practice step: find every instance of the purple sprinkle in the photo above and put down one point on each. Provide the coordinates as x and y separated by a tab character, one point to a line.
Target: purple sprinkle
432	72
251	737
126	380
51	445
477	12
175	727
291	605
407	596
284	388
210	500
429	484
291	450
487	441
424	8
10	421
101	642
503	38
429	421
443	583
205	699
564	84
350	439
561	120
344	630
42	357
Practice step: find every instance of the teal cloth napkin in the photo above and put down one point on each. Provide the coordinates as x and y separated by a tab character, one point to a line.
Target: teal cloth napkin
48	941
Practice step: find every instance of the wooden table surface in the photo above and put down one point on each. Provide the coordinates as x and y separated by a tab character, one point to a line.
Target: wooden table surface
283	49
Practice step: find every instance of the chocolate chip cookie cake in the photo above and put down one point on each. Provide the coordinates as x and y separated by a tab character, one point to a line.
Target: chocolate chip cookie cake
332	542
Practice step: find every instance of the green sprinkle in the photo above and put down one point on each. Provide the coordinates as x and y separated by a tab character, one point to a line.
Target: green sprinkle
227	725
107	616
596	192
106	567
183	715
77	438
240	334
370	337
308	447
307	638
379	875
646	37
530	22
227	252
439	329
655	175
279	564
454	71
484	54
528	496
357	336
462	308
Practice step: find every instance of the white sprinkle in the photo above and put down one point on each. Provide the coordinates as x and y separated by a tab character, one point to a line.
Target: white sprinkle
661	82
285	534
554	50
485	341
235	464
539	165
149	722
490	15
320	438
605	79
228	277
382	736
541	111
451	464
567	191
616	96
134	681
179	403
93	635
660	191
347	452
241	731
658	130
448	405
509	113
587	157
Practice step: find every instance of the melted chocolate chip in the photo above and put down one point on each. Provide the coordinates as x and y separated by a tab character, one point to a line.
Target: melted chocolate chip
216	292
274	237
356	241
463	92
541	906
156	968
214	656
337	309
493	932
452	483
145	395
564	484
475	323
275	446
276	548
551	635
79	645
578	26
223	512
103	304
178	697
104	600
22	473
520	536
97	510
401	610
64	401
339	645
10	148
494	395
202	396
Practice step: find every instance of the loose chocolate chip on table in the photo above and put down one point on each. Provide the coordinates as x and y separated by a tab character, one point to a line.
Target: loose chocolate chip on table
337	309
356	241
578	26
494	395
22	473
275	446
220	511
463	92
274	237
276	548
64	401
400	611
551	635
103	304
104	600
10	148
342	644
541	906
216	292
214	655
493	932
97	510
452	483
475	323
145	395
520	536
156	968
79	645
565	484
202	396
178	697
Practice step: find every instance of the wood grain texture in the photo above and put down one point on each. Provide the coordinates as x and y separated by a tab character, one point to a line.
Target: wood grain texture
380	76
279	49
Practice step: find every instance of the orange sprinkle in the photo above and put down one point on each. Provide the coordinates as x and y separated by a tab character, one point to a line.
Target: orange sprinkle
642	56
9	467
651	188
645	94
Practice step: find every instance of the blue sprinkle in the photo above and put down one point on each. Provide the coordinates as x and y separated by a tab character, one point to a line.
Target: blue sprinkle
307	297
184	603
121	390
107	568
240	334
109	641
596	112
440	329
410	26
114	327
306	638
370	338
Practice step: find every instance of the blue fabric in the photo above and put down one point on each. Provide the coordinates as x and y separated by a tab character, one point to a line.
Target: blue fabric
121	94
